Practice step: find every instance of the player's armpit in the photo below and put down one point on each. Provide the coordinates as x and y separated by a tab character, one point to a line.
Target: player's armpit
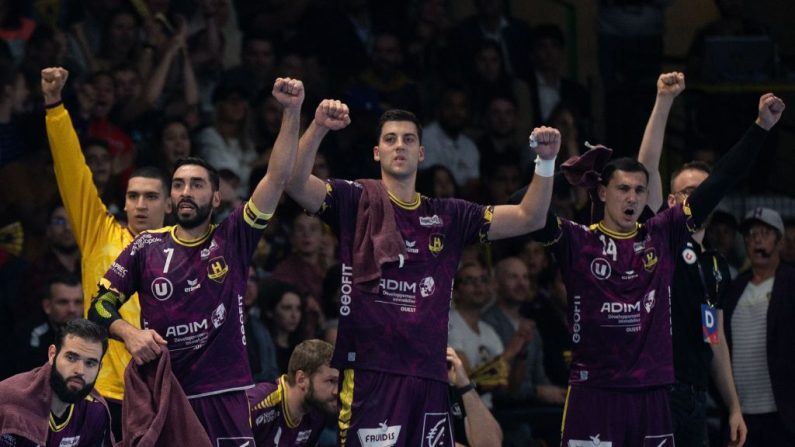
104	308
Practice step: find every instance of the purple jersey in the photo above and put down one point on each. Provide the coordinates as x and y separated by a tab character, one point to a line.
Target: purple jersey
87	424
271	420
403	328
619	295
191	293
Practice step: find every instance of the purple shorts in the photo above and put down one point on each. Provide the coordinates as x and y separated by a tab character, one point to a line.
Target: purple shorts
226	418
617	418
381	409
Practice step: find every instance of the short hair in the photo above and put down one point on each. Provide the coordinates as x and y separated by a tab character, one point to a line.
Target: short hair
60	277
695	165
85	329
548	31
215	178
308	357
87	142
153	172
398	115
466	265
625	164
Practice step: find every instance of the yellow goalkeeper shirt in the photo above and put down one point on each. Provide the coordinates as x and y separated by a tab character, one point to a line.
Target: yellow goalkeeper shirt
100	237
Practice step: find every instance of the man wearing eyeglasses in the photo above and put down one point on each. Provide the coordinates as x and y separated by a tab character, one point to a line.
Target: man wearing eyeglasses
760	310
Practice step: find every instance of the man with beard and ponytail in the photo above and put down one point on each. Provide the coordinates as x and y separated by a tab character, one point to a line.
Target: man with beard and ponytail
56	404
191	281
292	411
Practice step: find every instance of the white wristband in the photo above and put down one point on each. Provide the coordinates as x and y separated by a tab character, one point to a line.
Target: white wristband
545	168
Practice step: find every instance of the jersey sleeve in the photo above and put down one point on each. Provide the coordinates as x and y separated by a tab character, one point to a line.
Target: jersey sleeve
87	214
675	223
245	226
123	276
340	204
475	221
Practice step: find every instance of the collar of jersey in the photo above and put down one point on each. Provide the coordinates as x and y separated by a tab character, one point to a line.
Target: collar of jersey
618	234
285	408
406	205
58	427
192	242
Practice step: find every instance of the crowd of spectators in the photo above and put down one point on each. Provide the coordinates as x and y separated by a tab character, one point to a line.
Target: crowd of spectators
152	81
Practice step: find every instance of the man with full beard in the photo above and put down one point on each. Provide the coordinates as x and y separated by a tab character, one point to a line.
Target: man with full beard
292	411
191	281
55	404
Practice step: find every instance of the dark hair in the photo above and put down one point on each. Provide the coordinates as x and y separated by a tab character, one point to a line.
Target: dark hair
215	179
59	277
8	74
153	172
426	180
270	295
695	165
86	142
82	328
161	129
398	115
625	164
548	31
308	357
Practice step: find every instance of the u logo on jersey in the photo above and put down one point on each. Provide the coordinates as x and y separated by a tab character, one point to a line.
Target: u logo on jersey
649	260
217	269
436	244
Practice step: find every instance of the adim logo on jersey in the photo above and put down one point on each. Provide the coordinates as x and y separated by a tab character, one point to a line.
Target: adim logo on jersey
436	243
217	269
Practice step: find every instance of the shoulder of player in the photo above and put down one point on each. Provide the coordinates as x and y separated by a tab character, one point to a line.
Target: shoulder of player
264	395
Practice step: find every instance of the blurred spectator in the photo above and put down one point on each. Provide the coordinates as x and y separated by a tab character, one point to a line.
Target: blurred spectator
61	301
282	311
227	143
537	261
15	28
261	352
229	185
257	64
788	249
445	142
501	134
61	257
501	179
758	322
46	47
171	142
13	96
303	269
548	86
384	85
491	23
533	386
721	235
120	41
474	340
268	118
427	53
438	182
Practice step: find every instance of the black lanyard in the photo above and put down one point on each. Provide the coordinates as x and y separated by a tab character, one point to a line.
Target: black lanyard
715	276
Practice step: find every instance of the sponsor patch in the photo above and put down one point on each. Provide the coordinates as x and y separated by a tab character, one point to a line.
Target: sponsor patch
436	430
383	436
431	221
217	269
436	243
162	288
600	268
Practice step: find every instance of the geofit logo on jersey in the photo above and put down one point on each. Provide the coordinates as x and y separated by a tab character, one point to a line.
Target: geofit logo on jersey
436	430
234	442
436	244
383	436
217	269
600	268
162	288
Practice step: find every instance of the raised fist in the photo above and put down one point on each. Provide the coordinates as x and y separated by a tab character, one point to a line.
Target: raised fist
547	140
671	84
289	92
770	109
52	81
332	114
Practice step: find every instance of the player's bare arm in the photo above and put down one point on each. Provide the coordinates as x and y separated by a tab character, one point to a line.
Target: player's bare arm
306	189
144	345
669	86
290	94
531	213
